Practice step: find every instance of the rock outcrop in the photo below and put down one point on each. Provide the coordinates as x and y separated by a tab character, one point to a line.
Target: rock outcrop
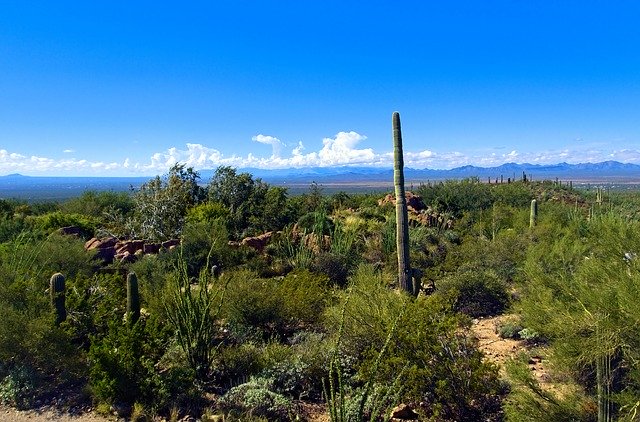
111	249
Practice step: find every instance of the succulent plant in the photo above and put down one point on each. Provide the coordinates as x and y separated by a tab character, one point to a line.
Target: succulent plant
133	298
405	274
533	215
57	293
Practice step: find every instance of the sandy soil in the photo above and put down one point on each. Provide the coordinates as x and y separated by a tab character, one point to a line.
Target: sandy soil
8	414
499	350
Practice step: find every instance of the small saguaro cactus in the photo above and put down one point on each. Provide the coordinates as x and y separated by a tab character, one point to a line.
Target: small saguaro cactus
405	274
57	293
133	298
533	216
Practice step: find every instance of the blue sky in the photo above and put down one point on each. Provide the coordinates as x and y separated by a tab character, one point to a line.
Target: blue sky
129	88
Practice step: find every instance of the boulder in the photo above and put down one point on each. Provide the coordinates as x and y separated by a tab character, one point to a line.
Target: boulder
106	255
151	248
70	231
107	242
170	244
414	202
403	412
258	242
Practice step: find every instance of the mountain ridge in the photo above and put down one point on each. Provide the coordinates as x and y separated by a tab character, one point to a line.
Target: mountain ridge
595	171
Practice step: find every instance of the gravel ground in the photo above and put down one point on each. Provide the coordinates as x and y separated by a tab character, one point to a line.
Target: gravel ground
8	414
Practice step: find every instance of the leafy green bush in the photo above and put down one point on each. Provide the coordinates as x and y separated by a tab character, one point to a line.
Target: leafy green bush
276	307
122	366
510	329
53	221
476	293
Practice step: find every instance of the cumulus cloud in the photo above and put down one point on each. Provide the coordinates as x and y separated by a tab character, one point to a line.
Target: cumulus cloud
343	149
69	151
275	143
19	163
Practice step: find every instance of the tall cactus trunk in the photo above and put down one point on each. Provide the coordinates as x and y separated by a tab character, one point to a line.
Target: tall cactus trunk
533	215
405	279
57	293
133	298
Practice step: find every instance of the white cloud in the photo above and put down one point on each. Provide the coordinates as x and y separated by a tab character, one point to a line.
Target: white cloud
69	151
343	149
275	143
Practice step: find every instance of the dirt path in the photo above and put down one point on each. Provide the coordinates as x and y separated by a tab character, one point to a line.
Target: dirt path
499	350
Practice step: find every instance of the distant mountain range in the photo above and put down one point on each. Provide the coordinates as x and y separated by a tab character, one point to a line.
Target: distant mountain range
59	188
608	171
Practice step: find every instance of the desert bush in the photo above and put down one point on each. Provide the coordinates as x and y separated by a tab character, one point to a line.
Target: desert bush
18	387
256	398
275	307
206	244
581	294
334	266
96	203
122	366
54	220
475	293
316	222
529	402
454	384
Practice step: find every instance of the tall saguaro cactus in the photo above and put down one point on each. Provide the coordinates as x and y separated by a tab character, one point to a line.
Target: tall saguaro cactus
533	215
57	293
405	278
133	298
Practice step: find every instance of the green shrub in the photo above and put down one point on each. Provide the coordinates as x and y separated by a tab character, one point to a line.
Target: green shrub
276	307
433	350
18	387
334	266
476	294
55	220
256	398
123	367
510	329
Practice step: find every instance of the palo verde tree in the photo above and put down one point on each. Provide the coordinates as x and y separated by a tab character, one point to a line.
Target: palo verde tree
253	206
161	204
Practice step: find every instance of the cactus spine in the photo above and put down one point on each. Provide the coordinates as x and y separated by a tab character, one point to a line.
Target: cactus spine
133	298
405	278
533	216
57	293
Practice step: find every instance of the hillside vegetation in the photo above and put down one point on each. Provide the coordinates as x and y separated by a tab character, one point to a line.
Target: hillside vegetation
279	307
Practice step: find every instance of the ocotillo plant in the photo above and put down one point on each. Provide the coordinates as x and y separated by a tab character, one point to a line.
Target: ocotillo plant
402	220
533	216
133	298
57	293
